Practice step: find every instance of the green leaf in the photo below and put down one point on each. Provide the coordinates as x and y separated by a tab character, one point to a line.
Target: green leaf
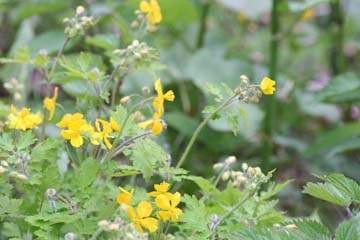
344	184
349	230
6	142
344	88
46	150
327	192
87	173
214	91
21	55
204	184
274	189
9	206
309	229
51	41
173	11
25	140
105	41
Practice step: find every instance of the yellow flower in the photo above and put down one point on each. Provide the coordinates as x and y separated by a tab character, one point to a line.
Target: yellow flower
307	13
104	130
114	125
24	119
141	218
168	203
152	10
49	103
267	86
155	124
161	188
159	100
125	196
77	127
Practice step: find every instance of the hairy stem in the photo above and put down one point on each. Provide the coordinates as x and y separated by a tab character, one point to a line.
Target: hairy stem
270	105
338	19
120	147
200	127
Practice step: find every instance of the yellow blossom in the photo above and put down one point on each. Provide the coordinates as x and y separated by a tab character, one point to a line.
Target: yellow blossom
49	103
267	86
141	218
161	188
125	196
307	13
159	100
155	124
24	119
114	125
152	10
103	133
168	203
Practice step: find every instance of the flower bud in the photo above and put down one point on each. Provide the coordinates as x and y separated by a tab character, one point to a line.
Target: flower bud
244	79
251	171
244	166
114	227
70	236
137	116
19	176
240	179
236	184
117	51
51	193
150	28
123	62
291	227
258	172
137	12
237	90
125	100
218	166
103	224
135	43
230	160
254	99
79	10
134	24
17	96
226	175
146	91
137	56
246	99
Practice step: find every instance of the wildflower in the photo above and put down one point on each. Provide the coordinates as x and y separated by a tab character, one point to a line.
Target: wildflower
159	100
24	119
141	218
291	227
152	10
267	86
168	203
79	10
307	13
160	189
114	125
104	130
155	124
125	196
77	127
49	103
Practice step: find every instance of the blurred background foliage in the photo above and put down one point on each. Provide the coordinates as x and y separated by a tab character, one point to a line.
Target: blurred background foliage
317	112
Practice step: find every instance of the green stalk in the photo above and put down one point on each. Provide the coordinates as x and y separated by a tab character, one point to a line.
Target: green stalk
201	35
200	127
270	104
338	19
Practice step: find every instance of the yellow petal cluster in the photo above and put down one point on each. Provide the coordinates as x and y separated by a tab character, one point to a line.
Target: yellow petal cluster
125	197
267	86
24	119
141	218
155	123
49	103
152	11
77	127
104	131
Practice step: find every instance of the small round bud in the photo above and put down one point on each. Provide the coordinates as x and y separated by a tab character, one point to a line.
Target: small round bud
103	224
17	96
20	176
146	91
123	207
136	43
117	51
150	28
51	193
244	166
114	227
238	90
144	52
244	79
254	99
246	99
70	236
79	10
240	179
252	186
230	160
123	62
13	82
291	227
137	56
137	116
134	24
277	227
251	171
218	166
226	175
236	184
258	172
2	170
125	100
8	86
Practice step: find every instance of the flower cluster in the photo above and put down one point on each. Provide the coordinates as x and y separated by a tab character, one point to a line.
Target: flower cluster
77	128
78	24
156	123
24	119
15	88
149	11
166	203
50	103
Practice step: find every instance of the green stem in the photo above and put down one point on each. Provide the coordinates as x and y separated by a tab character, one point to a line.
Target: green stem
337	60
270	105
117	83
200	127
201	35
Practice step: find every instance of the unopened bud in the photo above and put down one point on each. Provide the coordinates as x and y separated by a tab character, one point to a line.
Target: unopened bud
51	193
103	224
113	227
17	96
244	166
2	170
218	166
137	116
241	179
125	100
123	62
251	171
254	99
246	99
144	52
150	28
117	51
236	184
258	172
79	10
230	160
291	227
146	91
226	175
134	24
135	43
137	56
244	79
237	90
70	236
253	186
